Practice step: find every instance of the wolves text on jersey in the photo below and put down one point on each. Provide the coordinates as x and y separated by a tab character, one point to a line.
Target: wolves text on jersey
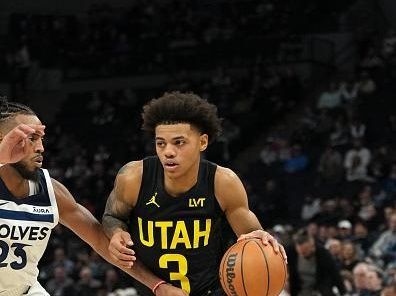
23	232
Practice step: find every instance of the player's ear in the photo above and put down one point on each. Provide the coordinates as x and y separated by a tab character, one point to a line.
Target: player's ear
203	142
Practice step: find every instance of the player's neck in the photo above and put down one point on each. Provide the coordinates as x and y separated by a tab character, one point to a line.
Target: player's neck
182	184
15	183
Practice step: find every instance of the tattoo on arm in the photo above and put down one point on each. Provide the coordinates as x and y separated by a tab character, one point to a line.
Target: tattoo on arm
117	211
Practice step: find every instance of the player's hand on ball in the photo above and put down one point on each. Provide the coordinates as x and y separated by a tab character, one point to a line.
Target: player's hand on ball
169	290
120	249
266	238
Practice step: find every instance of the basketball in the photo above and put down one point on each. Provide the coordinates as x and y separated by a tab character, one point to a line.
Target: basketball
249	268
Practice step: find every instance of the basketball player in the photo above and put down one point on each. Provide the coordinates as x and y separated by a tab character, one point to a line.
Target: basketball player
31	204
170	206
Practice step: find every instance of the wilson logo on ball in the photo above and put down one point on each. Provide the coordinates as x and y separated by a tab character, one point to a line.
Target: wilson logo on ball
230	273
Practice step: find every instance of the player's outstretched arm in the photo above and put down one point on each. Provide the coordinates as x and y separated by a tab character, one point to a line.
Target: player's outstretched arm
84	224
13	144
233	199
119	205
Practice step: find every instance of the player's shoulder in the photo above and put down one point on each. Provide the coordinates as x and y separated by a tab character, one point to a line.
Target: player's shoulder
225	176
131	167
228	187
131	172
58	186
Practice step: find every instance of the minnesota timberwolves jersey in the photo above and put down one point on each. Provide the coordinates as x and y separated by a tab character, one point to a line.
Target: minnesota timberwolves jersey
178	237
25	227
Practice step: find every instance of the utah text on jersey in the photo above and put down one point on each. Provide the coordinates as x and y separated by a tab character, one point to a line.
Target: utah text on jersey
173	233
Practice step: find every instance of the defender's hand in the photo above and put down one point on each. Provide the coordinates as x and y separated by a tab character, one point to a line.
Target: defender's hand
266	238
120	249
13	146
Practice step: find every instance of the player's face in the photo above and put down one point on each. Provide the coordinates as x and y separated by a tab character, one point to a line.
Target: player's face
179	147
28	166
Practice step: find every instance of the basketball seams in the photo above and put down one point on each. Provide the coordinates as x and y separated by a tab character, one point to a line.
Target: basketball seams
266	265
285	269
243	278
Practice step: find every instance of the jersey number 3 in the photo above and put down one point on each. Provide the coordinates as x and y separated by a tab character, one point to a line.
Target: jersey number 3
19	252
181	274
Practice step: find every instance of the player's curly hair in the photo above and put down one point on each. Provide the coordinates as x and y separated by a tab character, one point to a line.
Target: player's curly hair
9	110
182	107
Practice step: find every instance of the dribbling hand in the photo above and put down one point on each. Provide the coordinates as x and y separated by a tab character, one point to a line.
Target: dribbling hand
13	146
266	238
120	249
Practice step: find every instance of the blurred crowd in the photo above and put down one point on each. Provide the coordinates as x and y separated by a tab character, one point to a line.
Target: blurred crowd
327	182
324	182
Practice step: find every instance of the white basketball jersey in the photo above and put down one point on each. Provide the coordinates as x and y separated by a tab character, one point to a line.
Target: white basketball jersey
25	227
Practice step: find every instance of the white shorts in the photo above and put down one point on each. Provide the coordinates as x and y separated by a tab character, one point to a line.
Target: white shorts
35	290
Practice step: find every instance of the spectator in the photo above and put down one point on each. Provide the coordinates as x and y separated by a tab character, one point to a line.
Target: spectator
360	272
367	86
310	208
312	268
349	256
339	136
334	247
60	259
356	162
330	98
267	155
389	184
384	248
357	128
60	284
349	91
87	285
374	281
297	162
112	280
330	166
344	230
362	238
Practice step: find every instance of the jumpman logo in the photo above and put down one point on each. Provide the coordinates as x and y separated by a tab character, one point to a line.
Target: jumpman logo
152	201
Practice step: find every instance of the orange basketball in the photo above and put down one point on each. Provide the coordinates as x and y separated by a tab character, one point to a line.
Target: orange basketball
249	268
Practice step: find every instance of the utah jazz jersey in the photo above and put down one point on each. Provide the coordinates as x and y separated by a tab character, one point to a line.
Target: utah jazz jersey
25	227
178	237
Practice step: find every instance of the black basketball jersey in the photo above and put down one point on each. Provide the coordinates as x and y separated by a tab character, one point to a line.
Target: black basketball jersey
178	238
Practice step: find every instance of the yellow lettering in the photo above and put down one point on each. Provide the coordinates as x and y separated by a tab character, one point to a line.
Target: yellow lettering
196	202
183	268
179	231
180	236
198	233
164	225
150	233
201	201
